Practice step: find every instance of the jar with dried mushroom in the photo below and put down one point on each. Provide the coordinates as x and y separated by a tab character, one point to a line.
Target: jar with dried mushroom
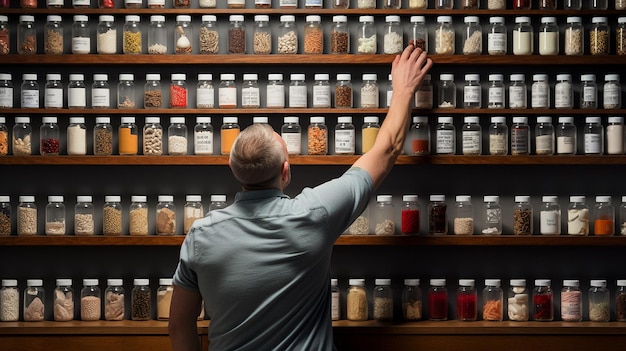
63	303
53	35
114	300
90	300
112	215
165	215
34	301
152	136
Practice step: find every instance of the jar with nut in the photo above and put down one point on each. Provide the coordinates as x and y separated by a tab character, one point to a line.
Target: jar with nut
574	36
53	35
262	35
313	35
177	136
599	36
165	215
183	31
339	35
152	136
444	36
157	35
49	136
138	215
418	36
393	36
366	42
112	215
103	137
140	302
343	91
287	35
84	215
132	35
152	93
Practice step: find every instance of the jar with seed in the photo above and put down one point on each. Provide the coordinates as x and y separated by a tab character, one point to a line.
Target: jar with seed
463	222
599	36
90	300
106	35
177	137
262	42
393	35
287	40
49	137
183	31
497	37
140	302
152	136
313	35
84	216
599	301
112	215
356	300
522	216
472	36
27	216
343	91
317	136
26	35
577	216
138	215
34	301
339	35
165	215
366	42
383	300
152	93
126	91
236	35
321	96
76	136
53	35
132	35
192	211
5	215
444	36
418	36
574	36
55	216
10	305
157	35
103	137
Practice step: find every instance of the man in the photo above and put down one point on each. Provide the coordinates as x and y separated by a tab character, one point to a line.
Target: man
262	265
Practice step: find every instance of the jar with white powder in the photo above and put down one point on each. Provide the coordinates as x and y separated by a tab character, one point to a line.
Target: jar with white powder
77	136
550	216
106	35
177	136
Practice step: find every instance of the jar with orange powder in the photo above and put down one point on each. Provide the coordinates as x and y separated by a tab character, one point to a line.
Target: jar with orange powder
604	222
128	136
229	132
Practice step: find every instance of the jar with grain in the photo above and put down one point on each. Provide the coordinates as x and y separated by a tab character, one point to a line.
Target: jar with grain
27	216
418	36
90	300
34	301
620	36
383	222
566	136
343	91
544	136
114	300
366	37
132	35
411	300
157	35
445	136
291	132
571	301
53	91
5	215
577	216
106	35
313	35
369	132
612	92
203	136
4	34
297	95
463	223
9	301
599	301
275	91
588	91
84	216
383	300
127	136
53	35
466	300
593	136
472	36
599	36
437	300
339	35
165	215
419	136
496	4
112	215
152	93
262	35
444	36
178	91
498	136
227	91
140	300
76	91
523	36
423	94
493	300
620	301
604	216
228	133
29	91
517	300
317	136
191	211
100	93
393	42
472	91
615	135
522	216
6	86
152	139
126	91
572	4
345	138
138	215
26	35
103	137
447	91
182	32
49	137
574	36
77	136
356	300
287	40
55	216
321	91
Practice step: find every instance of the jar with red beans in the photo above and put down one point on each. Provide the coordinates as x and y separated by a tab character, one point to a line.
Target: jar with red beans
49	136
466	300
543	309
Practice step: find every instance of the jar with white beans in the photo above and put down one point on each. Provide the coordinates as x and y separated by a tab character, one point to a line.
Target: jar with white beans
366	39
518	300
287	35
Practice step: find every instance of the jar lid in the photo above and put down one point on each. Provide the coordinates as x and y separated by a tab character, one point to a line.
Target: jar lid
231	120
313	18
77	120
157	18
193	198
463	198
91	282
442	19
153	76
235	18
318	119
106	18
598	19
100	76
5	198
566	119
4	18
616	119
183	18
2	120
82	18
165	281
409	197
205	76
178	120
334	282
371	119
491	198
382	281
472	76
275	76
291	119
520	119
5	76
29	76
548	19
83	198
127	76
366	19
544	119
55	198
603	198
540	77
600	283
498	119
9	282
53	76
49	119
420	119
260	18
209	18
588	77
287	18
621	20
496	76
470	19
340	18
297	76
370	76
444	119
34	282
517	76
492	282
344	76
138	198
549	198
573	19
179	76
522	198
141	282
344	119
623	198
438	198
542	282
571	282
621	282
64	282
471	119
611	76
227	76
412	282
438	282
496	19
517	282
26	198
115	282
128	120
131	18
358	282
112	198
165	198
77	76
250	76
577	198
392	18
564	76
446	76
218	198
103	120
321	76
592	119
522	19
203	119
260	119
383	198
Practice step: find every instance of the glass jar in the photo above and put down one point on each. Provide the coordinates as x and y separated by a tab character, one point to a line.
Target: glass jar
471	136
599	301
444	4
217	202
566	136
177	137
437	218
599	4
236	35
366	37
287	41
612	92
157	35
369	132
29	91
152	137
497	36
340	4
622	216
126	91
444	35
589	91
383	222
540	91
366	4
183	31
543	305
321	91
492	215
227	91
191	211
103	137
76	136
203	136
620	301
138	215
127	136
493	300
420	136
498	136
4	34
5	216
317	136
63	300
544	136
228	133
369	91
140	302
615	136
472	92
152	93
55	216
356	300
76	92
27	216
49	134
463	222
437	300
84	216
393	42
26	35
574	35
10	301
112	215
599	36
620	5
517	297
210	38
100	92
164	298
522	216
131	37
563	91
410	215
522	4
313	33
343	91
262	35
593	136
205	92
34	301
53	35
6	86
572	4
335	298
550	216
571	301
518	94
472	34
90	300
297	91
620	36
81	40
577	216
520	136
165	215
447	91
53	91
132	4
466	300
178	91
547	4
604	216
22	137
445	141
291	132
114	300
418	36
495	91
339	35
345	138
383	300
411	300
275	91
523	36
423	94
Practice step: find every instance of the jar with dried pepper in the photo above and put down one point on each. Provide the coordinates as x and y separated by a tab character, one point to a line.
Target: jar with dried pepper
543	304
178	91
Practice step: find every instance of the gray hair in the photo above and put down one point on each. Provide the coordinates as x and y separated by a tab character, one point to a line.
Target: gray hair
256	157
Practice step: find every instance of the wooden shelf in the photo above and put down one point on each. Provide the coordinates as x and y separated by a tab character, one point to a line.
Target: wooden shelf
125	327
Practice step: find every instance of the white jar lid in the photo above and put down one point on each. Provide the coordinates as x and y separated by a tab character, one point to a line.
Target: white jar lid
115	282
491	198
193	198
260	119
205	76
544	119
321	76
179	76
442	19
444	119
49	119
183	18
463	198
383	198
588	77
496	77
412	282
100	76
138	198
573	19
153	120
601	283
177	120
520	119
106	18
91	282
616	119
611	76
522	198
548	19
344	119
165	198
542	282
291	119
472	76
236	18
313	18
218	198
132	18
77	76
297	76
382	281
340	18
566	119
438	282
34	282
77	120
318	119
231	120
358	282
592	119
112	198
470	19
275	76
9	282
334	282
128	120
227	76
409	197
417	19
492	282
366	19
621	282
549	198
26	198
287	18
29	76
5	76
82	18
371	119
55	198
64	282
5	198
603	198
496	19
157	18
83	198
564	76
259	18
621	20
127	76
370	76
392	18
577	198
571	282
598	19
522	19
446	76
165	281
518	76
344	76
153	76
420	119
203	119
209	18
437	198
53	76
141	282
540	77
250	76
498	119
517	282
471	119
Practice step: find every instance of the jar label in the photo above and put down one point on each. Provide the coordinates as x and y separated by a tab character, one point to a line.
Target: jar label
55	2
203	143
445	142
81	45
517	97
288	3
297	96
100	97
77	97
471	94
497	144
6	97
275	96
344	141
563	95
543	144
321	96
228	96
496	95
565	145
30	98
80	2
589	94
593	143
390	95
369	98
205	98
293	141
423	99
540	96
53	98
496	42
471	142
250	97
519	141
550	222
611	96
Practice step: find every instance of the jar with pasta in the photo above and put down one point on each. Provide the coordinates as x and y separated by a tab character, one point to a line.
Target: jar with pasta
444	36
209	35
132	35
53	35
356	300
599	36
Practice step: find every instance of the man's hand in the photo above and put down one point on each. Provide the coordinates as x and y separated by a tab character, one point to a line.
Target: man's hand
408	69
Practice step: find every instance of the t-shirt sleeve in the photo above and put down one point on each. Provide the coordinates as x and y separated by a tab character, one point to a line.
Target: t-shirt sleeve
185	276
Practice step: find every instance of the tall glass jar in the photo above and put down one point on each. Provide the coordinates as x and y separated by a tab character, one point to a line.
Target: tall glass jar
497	36
81	39
114	300
517	297
152	93
165	215
106	35
369	132
128	136
599	36
518	93
49	137
550	216
604	216
297	93
548	35
543	304
10	301
4	34
132	35
522	216
90	300
126	91
447	91
599	4
192	211
138	215
203	136
366	38
444	36
343	91
236	35
412	300
6	85
228	133
523	36
410	215
437	300
84	216
77	91
520	136
157	35
419	136
100	92
164	298
574	36
313	35
291	132
471	136
444	4
463	223
572	4
112	215
577	216
55	216
205	91
492	215
493	301
495	91
589	91
27	216
498	136
522	4
26	35
540	91
571	301
418	36
369	91
34	301
445	136
140	300
472	35
566	138
393	35
53	35
262	35
321	97
466	300
423	94
472	91
612	92
356	300
620	36
620	301
29	91
22	136
152	139
437	218
599	301
383	300
615	136
544	136
182	33
339	35
275	91
103	137
76	136
317	136
563	91
345	136
227	91
53	92
287	41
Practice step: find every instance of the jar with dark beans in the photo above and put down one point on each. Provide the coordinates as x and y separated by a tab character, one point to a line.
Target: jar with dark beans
236	35
471	4
437	220
620	301
49	132
140	300
103	137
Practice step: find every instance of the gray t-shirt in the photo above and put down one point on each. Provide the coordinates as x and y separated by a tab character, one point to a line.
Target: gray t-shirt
262	265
